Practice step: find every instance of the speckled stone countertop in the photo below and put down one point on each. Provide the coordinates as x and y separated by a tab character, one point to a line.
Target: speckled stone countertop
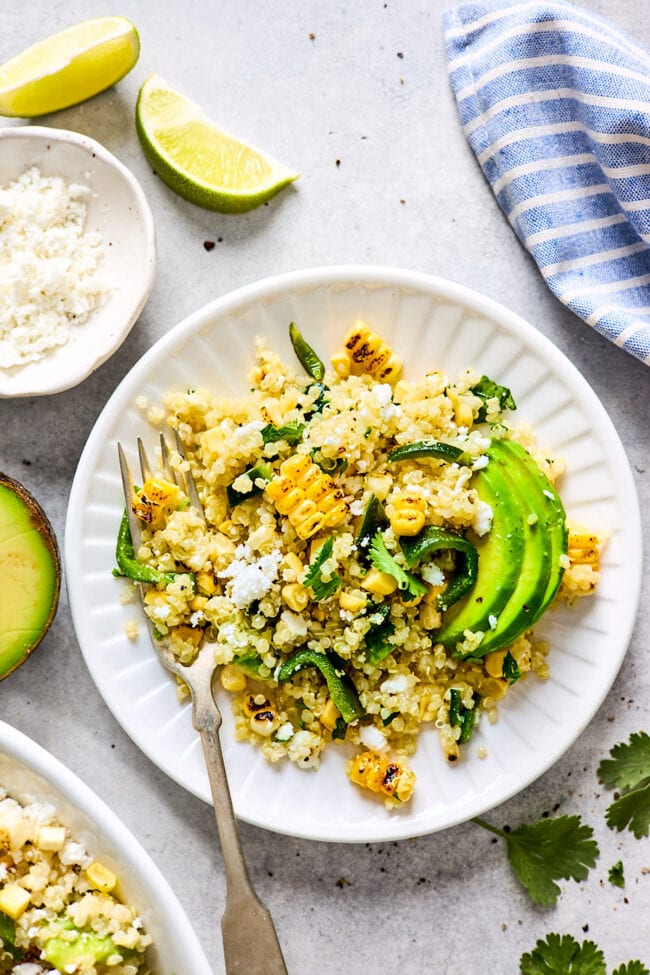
356	97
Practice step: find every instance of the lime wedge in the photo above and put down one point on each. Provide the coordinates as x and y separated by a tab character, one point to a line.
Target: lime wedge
200	161
68	67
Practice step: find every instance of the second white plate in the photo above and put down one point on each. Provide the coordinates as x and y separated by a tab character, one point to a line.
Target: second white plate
432	324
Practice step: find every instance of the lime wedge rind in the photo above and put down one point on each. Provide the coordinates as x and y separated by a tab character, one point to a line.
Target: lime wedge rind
152	126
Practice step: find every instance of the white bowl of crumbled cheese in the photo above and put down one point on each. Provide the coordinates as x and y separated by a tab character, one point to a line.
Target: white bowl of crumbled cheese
77	258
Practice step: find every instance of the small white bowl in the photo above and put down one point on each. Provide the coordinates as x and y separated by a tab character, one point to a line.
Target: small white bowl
118	210
29	773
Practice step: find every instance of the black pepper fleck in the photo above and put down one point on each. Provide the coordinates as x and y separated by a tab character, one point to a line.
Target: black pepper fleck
208	245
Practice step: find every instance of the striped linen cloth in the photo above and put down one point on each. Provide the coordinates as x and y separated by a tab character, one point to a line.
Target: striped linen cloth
555	103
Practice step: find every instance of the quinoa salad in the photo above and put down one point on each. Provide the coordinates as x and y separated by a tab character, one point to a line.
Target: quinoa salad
374	554
59	907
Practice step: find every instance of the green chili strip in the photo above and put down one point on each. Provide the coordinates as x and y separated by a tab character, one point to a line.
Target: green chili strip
128	565
376	639
510	669
372	520
340	687
260	470
460	716
306	355
434	539
426	448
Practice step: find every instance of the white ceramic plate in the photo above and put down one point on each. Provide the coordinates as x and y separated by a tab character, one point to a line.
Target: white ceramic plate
431	323
119	212
29	773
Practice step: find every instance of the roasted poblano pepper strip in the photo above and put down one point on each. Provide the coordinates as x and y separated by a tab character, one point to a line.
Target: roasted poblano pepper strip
510	669
462	717
260	470
426	448
372	520
306	355
340	687
128	565
376	639
433	539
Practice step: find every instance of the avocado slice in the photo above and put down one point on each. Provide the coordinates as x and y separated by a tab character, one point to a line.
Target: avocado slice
500	557
87	949
544	541
554	516
30	574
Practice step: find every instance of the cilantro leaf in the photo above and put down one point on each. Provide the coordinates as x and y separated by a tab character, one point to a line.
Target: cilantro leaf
629	765
314	579
628	769
616	875
383	561
632	968
291	433
546	851
631	811
510	669
486	389
562	955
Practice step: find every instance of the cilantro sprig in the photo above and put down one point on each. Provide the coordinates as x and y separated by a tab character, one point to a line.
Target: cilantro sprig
561	954
552	849
321	588
383	561
628	770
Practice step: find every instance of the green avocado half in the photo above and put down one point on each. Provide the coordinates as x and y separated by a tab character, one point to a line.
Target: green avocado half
30	574
519	558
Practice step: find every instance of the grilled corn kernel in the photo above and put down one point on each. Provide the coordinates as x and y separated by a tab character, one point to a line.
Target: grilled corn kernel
157	499
330	715
187	634
100	877
50	838
381	583
232	678
406	513
451	750
307	496
366	352
583	549
264	723
13	900
352	602
198	603
463	412
493	663
292	563
206	583
295	596
379	774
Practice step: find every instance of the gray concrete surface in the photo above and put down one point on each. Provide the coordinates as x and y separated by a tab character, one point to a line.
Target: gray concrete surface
364	111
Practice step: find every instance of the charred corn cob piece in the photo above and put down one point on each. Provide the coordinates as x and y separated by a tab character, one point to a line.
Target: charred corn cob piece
366	352
406	513
308	497
157	499
382	775
583	549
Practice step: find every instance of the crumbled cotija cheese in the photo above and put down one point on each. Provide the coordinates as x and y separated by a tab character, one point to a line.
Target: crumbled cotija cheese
49	269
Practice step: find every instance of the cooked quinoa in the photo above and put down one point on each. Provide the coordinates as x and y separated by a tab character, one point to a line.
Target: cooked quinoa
58	908
264	578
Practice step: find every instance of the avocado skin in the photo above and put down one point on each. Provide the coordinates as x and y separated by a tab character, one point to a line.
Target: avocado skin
500	554
544	541
29	556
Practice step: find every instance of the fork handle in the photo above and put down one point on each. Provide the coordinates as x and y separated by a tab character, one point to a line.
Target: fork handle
250	942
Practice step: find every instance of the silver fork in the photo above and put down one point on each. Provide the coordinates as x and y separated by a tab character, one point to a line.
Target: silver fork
250	942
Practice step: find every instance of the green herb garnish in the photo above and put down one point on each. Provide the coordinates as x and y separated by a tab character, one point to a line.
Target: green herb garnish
291	433
486	389
383	561
628	770
314	579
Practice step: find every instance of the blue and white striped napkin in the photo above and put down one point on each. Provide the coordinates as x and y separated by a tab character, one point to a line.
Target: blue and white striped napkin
555	103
